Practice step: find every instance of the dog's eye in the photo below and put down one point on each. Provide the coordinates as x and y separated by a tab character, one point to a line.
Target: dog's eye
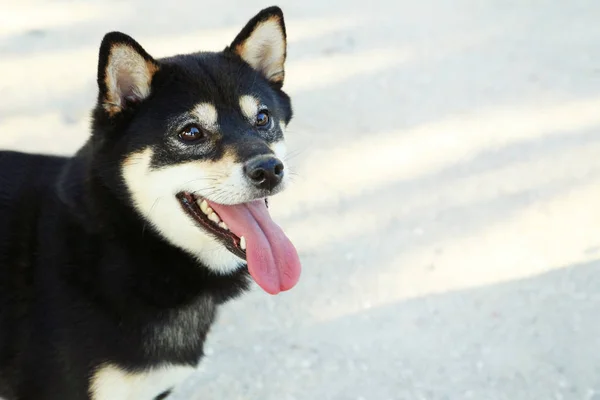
192	133
262	118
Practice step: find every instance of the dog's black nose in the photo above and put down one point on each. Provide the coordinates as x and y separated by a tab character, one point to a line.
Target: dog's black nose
265	172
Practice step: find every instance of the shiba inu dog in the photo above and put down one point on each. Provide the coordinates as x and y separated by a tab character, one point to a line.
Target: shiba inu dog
114	261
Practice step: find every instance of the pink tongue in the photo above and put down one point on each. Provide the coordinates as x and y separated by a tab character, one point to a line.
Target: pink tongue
272	259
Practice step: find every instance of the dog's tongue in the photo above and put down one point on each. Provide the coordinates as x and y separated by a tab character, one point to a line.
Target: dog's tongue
272	259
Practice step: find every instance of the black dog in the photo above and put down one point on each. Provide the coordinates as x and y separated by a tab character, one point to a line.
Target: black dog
113	261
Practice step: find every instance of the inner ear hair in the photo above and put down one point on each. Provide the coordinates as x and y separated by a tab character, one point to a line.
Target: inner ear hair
125	72
262	44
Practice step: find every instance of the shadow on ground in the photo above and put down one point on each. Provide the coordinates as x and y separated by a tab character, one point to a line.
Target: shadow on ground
541	351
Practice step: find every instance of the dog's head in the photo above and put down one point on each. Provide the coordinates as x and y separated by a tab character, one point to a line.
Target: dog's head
199	139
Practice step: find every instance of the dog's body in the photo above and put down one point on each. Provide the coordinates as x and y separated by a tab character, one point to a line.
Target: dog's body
86	292
112	262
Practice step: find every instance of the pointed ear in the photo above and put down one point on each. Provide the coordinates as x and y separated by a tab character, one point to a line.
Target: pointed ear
262	44
125	72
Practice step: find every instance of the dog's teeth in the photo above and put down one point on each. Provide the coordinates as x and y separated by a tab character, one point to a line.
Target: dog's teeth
224	226
204	206
208	210
243	243
214	218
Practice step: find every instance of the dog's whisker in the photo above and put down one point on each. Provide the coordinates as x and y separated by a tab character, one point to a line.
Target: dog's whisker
150	213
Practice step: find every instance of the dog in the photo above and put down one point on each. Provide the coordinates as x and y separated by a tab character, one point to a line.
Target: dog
113	262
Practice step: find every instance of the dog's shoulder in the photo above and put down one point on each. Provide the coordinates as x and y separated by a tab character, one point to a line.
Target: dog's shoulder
26	183
22	172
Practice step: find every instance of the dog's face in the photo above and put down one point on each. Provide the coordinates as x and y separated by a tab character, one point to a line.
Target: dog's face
200	144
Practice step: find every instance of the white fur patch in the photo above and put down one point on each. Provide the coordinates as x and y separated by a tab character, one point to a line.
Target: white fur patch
110	382
207	115
249	106
280	151
153	192
128	75
264	49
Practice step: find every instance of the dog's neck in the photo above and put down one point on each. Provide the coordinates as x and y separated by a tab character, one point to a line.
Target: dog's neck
88	195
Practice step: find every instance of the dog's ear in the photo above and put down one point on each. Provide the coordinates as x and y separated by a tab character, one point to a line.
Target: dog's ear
125	72
262	44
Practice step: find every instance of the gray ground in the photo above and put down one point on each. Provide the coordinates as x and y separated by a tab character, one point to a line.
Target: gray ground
447	191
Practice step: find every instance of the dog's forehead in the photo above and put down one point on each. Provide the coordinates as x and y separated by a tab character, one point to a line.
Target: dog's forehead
217	79
217	91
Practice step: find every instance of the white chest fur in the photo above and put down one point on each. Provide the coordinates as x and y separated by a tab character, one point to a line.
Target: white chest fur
110	382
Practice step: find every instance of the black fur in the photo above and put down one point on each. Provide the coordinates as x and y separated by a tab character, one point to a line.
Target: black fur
84	279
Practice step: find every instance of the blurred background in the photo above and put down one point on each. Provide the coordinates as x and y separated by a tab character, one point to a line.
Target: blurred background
446	196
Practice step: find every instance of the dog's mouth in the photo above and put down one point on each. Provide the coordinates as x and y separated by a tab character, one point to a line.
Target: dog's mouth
204	215
248	231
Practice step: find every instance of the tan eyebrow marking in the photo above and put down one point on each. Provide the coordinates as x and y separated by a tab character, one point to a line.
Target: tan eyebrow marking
249	106
207	115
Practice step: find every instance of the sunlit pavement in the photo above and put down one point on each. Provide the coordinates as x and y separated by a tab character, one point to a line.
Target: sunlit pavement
446	196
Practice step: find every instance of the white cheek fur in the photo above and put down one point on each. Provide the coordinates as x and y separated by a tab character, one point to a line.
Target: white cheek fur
153	192
280	150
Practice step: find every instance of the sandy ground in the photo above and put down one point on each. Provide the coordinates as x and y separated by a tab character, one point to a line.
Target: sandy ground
446	202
